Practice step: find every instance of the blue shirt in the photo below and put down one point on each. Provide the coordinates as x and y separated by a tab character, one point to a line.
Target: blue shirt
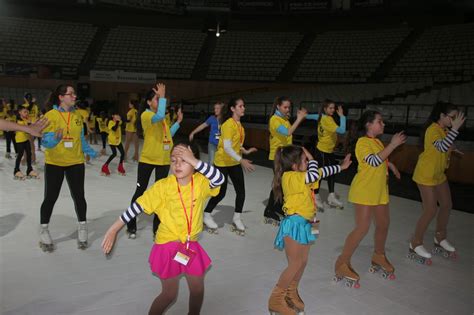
215	131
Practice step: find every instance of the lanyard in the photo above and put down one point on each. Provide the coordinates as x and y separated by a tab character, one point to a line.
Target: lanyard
240	131
165	127
189	221
68	120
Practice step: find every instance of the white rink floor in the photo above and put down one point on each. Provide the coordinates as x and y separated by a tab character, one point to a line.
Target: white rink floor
71	281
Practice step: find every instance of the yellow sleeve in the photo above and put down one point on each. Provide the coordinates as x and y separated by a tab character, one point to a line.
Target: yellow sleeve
111	124
146	120
328	124
53	126
432	135
273	125
227	131
363	149
151	201
206	189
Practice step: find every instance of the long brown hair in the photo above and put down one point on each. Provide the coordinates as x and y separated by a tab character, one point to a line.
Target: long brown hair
277	102
285	158
54	96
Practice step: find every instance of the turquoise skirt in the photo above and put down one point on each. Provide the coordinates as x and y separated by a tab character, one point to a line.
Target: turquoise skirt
296	227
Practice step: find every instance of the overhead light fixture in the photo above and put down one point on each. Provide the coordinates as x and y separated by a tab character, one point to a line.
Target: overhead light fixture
218	30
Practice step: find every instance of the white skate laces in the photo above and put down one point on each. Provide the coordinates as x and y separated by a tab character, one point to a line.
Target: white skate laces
421	251
445	245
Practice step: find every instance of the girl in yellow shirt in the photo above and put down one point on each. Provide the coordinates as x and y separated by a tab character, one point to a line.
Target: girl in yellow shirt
178	200
157	146
229	161
65	146
131	130
327	140
33	114
102	126
23	145
281	134
369	194
296	175
431	179
115	142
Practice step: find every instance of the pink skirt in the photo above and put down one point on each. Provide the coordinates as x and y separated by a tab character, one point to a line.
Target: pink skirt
162	261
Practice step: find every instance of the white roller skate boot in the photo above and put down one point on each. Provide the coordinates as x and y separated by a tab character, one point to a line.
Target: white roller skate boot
237	226
46	243
319	203
8	156
209	223
444	248
19	176
419	254
82	235
334	202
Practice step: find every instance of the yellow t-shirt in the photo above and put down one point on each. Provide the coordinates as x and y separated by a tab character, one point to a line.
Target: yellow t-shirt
234	131
132	118
61	155
3	115
91	121
102	122
158	142
115	137
84	114
34	112
432	164
277	139
163	199
327	136
297	195
21	136
369	186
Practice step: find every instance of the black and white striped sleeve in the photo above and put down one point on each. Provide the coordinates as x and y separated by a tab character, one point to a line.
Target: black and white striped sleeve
442	145
373	160
132	211
216	178
312	175
330	170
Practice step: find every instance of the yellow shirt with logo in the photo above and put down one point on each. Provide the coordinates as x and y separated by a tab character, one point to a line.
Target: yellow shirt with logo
369	186
277	139
158	142
297	195
102	122
21	136
60	155
235	132
91	121
34	112
115	136
132	119
327	136
163	199
84	114
432	164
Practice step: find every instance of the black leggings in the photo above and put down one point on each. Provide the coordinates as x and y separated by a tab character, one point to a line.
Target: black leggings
22	147
326	159
114	153
10	137
103	136
143	177
237	175
272	206
53	180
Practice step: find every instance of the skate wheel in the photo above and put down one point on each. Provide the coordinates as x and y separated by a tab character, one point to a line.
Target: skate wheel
428	262
357	285
384	275
392	277
372	270
336	279
348	284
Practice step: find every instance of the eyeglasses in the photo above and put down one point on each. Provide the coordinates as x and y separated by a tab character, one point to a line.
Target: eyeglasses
70	94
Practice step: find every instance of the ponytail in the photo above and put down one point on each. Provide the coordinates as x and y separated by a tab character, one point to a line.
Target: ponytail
53	98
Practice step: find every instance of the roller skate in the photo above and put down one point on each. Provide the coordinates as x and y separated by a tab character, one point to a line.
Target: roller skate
121	170
209	224
277	304
420	255
293	298
8	156
351	278
334	202
45	243
33	175
271	218
19	176
82	235
444	248
320	205
105	170
380	262
132	234
237	226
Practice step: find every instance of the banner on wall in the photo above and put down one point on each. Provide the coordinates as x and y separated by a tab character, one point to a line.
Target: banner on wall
122	76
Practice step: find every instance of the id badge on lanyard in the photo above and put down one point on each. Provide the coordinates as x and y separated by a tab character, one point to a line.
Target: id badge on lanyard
166	142
184	255
68	142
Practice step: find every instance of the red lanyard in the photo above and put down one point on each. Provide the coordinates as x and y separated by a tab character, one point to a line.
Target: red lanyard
165	127
68	120
189	220
240	131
